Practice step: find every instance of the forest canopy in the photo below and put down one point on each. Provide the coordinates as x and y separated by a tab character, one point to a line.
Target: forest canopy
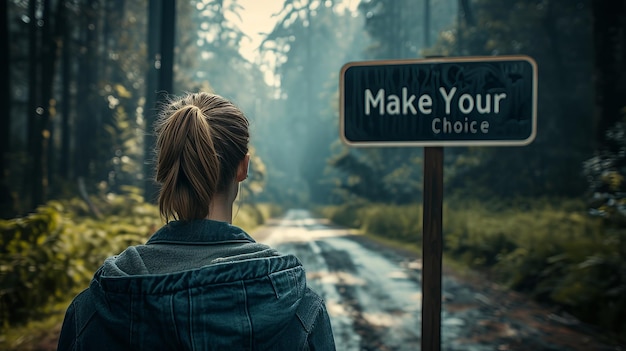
83	79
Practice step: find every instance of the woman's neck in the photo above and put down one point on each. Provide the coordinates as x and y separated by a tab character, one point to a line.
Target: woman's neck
221	209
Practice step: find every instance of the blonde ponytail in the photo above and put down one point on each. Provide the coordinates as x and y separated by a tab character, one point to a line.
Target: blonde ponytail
201	139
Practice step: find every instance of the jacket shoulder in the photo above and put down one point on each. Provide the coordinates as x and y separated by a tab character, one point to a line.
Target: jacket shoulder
310	307
77	316
314	318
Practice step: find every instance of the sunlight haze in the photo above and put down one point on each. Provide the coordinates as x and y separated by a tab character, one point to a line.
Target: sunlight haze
256	21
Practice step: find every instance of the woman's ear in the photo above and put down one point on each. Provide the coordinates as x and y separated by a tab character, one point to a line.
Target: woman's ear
242	169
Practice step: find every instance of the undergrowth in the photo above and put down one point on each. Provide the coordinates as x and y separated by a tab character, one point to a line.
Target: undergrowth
551	249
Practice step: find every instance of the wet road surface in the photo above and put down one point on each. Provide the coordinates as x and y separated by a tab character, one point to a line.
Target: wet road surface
373	296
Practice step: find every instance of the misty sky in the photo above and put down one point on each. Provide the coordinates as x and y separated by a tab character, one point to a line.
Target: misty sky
256	20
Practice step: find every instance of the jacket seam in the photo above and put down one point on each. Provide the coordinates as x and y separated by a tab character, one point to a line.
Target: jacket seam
76	322
80	330
248	319
311	314
191	338
132	318
173	316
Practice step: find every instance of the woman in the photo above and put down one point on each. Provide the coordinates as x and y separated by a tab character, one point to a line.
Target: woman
199	283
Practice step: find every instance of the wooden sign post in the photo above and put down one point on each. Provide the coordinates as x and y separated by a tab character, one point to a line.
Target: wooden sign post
432	247
437	102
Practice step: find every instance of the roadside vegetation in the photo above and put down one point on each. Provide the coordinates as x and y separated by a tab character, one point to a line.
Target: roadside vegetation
552	250
49	256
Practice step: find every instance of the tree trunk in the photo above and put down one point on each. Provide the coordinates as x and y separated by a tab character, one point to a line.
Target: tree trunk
42	56
66	98
48	64
5	92
86	133
6	200
161	27
609	37
33	182
166	76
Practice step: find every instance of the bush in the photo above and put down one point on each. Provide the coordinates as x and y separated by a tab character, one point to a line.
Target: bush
549	248
33	265
50	255
552	250
349	215
402	223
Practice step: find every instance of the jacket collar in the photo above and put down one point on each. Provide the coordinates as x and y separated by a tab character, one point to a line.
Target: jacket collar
201	231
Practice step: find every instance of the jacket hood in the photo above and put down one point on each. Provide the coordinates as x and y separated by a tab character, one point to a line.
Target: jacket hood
244	292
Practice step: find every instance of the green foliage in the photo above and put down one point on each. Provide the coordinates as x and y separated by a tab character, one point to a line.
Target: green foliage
403	223
52	253
31	260
269	210
348	214
549	248
581	266
124	164
379	175
554	251
257	178
248	216
606	173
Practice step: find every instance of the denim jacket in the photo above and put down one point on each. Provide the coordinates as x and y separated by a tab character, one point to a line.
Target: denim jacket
198	285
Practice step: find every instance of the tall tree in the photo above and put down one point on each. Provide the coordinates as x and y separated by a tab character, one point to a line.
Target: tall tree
6	201
101	66
42	59
88	113
219	41
606	170
161	27
67	76
33	181
609	36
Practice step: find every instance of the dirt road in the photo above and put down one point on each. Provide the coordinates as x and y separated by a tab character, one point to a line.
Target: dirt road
373	295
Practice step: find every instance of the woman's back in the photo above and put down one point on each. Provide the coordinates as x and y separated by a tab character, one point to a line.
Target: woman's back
199	283
246	297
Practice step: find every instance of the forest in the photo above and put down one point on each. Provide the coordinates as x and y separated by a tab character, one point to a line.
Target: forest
81	81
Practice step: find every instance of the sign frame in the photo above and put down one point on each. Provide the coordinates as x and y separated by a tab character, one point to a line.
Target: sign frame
438	60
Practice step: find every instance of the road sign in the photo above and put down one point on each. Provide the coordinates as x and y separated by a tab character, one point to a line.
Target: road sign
463	101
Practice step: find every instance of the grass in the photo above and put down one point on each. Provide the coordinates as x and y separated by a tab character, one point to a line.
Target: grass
550	249
38	334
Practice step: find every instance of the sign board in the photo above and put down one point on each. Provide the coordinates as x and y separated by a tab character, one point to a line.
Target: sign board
463	101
